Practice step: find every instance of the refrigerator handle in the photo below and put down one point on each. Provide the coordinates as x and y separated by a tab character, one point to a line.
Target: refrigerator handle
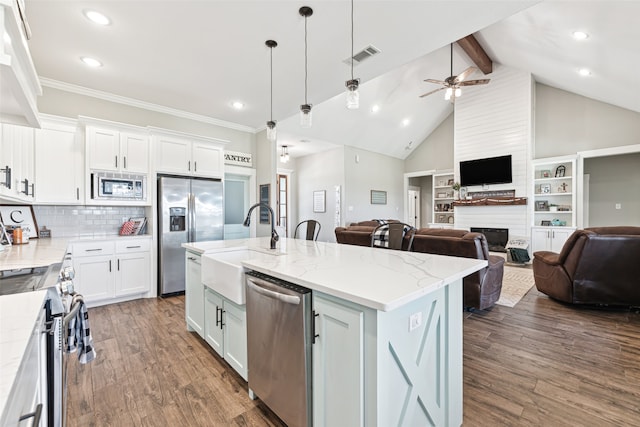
192	217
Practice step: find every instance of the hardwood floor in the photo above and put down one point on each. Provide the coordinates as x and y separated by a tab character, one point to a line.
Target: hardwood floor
540	363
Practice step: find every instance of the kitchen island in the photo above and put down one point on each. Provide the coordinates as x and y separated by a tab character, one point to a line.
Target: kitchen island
389	326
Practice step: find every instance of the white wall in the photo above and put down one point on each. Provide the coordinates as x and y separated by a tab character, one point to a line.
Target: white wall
567	123
265	164
365	171
319	172
496	120
435	152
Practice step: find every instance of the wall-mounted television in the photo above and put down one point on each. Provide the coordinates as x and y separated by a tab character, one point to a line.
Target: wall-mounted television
492	170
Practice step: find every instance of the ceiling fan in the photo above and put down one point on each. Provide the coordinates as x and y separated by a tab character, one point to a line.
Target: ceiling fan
452	84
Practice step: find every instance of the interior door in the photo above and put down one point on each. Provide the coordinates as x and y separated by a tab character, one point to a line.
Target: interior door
236	206
413	215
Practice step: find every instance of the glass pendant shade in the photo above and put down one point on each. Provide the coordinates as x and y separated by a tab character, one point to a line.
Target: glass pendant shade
305	116
284	157
353	95
272	131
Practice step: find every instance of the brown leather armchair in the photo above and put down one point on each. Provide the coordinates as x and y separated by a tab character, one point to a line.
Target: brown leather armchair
358	233
481	289
595	266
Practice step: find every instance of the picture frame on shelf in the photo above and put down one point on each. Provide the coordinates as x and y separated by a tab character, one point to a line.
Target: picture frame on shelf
20	216
545	188
442	218
542	205
545	223
264	198
545	173
450	181
560	171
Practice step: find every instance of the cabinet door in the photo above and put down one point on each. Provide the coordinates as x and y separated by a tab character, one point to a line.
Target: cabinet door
194	294
540	239
235	336
134	149
16	153
94	277
132	273
173	155
103	148
59	165
207	160
558	238
213	312
338	365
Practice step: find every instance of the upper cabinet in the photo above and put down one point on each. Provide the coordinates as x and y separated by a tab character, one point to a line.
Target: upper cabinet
17	181
117	148
188	154
20	85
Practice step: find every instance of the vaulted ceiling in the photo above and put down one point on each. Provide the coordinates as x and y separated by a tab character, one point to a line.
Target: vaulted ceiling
201	56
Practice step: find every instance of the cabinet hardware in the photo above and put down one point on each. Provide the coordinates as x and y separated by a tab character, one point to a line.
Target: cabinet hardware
195	166
221	318
116	162
35	414
109	266
26	187
189	165
218	320
33	190
313	327
137	246
93	250
125	161
78	193
191	258
7	177
118	264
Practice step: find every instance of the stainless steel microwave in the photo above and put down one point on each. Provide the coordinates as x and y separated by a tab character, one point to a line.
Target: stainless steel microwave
114	186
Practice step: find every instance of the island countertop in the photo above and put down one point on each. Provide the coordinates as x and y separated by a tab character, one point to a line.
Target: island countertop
381	279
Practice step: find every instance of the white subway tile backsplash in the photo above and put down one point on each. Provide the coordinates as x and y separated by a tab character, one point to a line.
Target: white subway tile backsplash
84	221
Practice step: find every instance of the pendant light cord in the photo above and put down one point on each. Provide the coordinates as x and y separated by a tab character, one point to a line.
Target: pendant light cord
451	55
271	69
351	39
305	60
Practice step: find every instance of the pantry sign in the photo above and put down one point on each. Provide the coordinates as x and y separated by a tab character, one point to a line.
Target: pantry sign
238	159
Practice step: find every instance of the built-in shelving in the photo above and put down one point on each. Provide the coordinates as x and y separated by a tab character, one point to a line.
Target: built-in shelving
443	200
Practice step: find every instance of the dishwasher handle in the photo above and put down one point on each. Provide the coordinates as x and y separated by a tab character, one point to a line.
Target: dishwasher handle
289	299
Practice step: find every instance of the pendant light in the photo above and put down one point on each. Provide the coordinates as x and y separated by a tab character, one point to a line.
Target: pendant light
284	156
271	124
305	109
353	96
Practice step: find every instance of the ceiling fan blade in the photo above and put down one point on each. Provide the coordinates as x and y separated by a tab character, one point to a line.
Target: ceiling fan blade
474	82
433	91
466	73
440	82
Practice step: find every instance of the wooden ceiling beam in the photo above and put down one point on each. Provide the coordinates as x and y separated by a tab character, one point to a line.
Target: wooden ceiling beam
477	54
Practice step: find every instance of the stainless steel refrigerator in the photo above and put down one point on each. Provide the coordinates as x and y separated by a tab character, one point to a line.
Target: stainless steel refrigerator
189	210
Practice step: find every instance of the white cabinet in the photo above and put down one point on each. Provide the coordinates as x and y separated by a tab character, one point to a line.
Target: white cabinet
443	197
194	293
549	238
59	163
111	149
17	162
189	155
112	270
226	330
20	84
338	353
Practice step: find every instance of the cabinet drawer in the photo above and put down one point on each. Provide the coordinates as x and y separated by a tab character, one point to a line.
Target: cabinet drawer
92	249
133	245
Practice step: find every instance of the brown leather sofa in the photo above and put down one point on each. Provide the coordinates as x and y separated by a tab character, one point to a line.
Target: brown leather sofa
481	289
358	233
598	265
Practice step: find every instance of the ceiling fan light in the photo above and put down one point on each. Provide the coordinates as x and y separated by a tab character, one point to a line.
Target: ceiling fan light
305	115
448	93
458	92
272	132
353	95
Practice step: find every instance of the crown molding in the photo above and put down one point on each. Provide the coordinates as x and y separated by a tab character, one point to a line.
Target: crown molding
106	96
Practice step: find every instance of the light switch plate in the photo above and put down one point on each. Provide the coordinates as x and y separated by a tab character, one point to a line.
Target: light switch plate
415	320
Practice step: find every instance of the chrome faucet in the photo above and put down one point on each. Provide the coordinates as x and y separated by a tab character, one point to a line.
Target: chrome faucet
274	234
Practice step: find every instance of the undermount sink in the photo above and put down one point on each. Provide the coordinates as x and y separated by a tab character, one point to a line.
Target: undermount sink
224	273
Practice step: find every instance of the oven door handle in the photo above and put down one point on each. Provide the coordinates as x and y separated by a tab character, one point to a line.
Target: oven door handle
73	311
35	414
289	299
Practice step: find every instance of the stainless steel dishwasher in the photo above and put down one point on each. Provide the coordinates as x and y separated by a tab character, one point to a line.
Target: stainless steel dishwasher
279	340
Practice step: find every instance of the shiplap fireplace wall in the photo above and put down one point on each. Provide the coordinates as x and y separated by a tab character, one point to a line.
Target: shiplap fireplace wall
496	120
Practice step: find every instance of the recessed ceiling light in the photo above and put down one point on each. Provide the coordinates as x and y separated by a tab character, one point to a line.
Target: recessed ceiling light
97	17
580	35
405	122
91	62
375	108
584	72
237	105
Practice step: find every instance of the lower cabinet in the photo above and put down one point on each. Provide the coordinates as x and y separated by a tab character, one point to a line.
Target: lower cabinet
225	329
112	270
338	352
549	238
194	294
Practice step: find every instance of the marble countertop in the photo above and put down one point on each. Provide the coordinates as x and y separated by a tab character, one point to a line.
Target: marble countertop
19	315
377	278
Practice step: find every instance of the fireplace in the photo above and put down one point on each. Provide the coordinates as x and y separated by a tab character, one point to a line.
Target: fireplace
496	237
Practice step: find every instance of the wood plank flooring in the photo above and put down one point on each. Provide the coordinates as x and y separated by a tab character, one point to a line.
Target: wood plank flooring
540	363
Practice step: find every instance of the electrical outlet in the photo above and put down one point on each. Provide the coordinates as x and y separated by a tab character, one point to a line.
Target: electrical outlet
415	320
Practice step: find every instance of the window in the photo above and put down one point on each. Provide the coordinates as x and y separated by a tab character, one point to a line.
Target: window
283	188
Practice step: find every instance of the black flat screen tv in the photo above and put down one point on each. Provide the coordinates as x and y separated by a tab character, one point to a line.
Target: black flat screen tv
492	170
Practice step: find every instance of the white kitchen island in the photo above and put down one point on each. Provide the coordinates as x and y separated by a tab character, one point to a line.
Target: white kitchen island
389	326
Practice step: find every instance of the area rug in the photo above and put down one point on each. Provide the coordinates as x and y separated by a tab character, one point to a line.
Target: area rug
516	282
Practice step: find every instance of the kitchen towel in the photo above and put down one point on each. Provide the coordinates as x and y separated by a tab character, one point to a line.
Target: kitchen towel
79	334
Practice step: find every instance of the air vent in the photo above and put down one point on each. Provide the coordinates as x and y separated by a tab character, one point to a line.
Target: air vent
365	53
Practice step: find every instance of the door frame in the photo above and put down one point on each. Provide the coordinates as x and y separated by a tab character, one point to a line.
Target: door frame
251	174
418	174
